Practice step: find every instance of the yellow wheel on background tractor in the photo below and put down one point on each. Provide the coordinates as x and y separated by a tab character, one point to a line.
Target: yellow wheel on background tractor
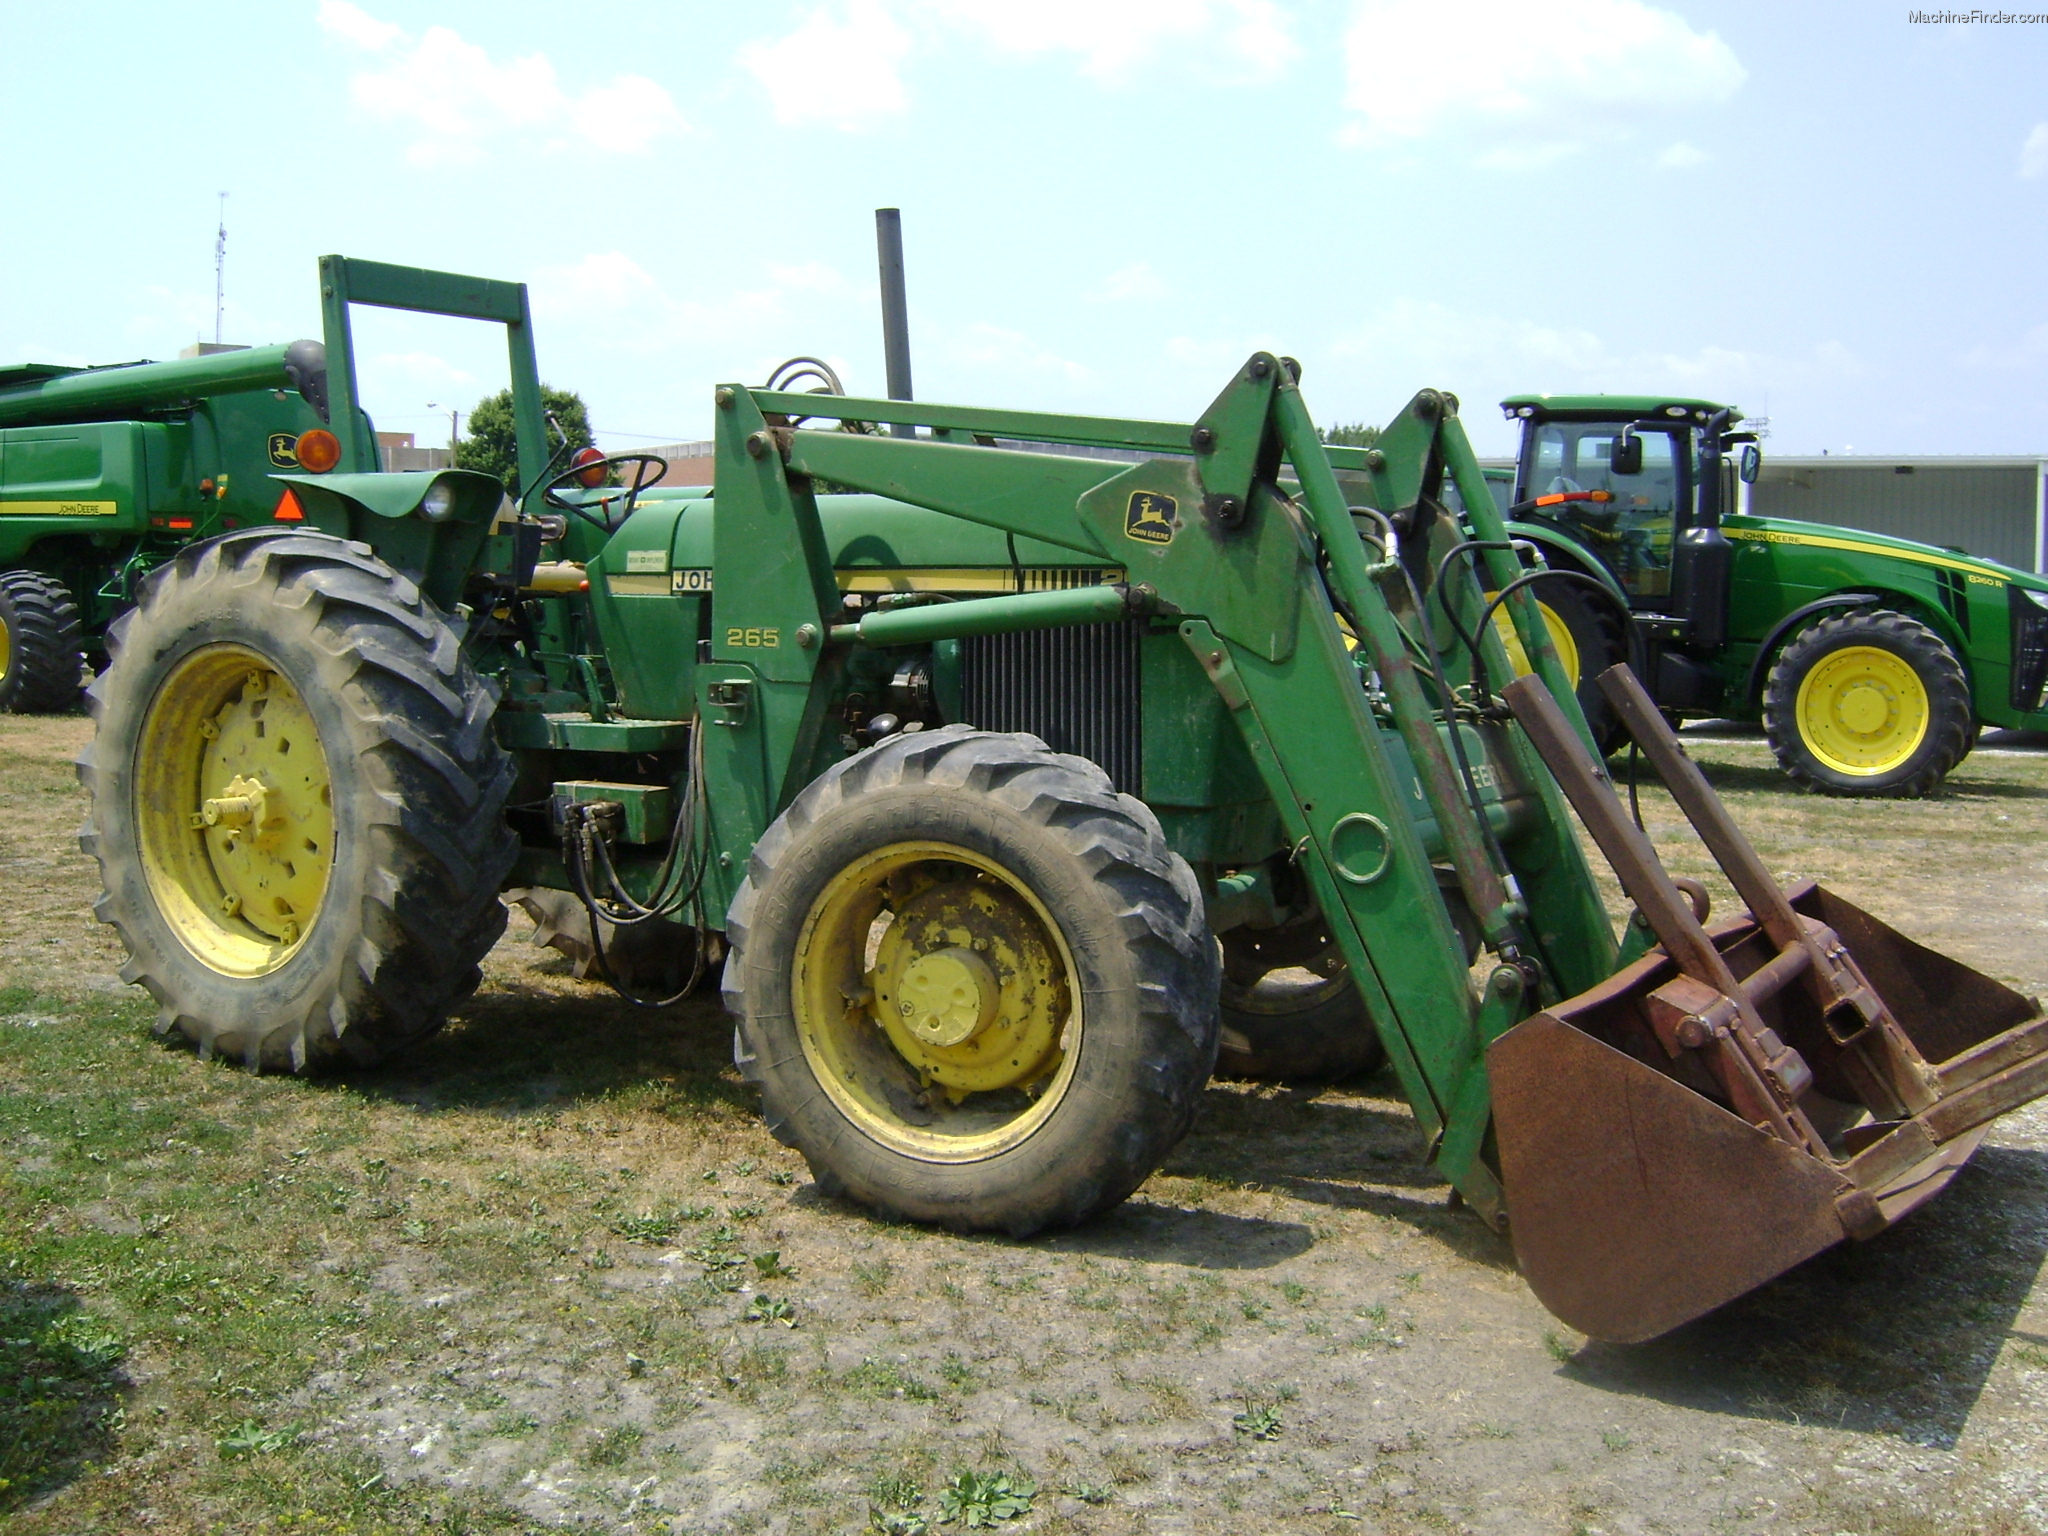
1868	703
1560	636
1588	636
297	802
974	984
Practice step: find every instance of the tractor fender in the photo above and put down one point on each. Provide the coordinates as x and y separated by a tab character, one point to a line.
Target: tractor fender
1576	556
1796	620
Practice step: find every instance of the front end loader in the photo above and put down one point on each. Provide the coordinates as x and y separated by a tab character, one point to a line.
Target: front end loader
979	778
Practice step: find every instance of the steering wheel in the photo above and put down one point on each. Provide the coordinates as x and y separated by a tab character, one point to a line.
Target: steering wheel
592	473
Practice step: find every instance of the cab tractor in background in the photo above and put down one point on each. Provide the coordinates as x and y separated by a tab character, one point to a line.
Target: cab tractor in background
1871	661
107	472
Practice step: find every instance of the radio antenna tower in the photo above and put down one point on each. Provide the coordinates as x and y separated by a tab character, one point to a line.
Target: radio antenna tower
220	267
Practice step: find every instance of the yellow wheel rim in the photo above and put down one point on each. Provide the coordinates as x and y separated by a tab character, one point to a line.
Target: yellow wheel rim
233	810
1862	710
936	1002
6	647
1560	636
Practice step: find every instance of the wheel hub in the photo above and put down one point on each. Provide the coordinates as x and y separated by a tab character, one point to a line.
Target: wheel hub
1864	709
967	988
948	997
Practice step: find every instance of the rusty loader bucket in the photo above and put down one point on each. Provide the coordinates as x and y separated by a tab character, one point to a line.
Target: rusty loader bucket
1738	1099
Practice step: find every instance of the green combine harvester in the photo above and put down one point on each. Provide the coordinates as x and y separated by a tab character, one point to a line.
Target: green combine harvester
980	782
1872	662
106	473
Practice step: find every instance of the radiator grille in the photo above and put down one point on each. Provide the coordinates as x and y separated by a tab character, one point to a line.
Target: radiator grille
2029	651
1074	688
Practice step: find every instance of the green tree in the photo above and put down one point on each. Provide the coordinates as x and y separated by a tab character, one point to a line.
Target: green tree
1354	434
492	444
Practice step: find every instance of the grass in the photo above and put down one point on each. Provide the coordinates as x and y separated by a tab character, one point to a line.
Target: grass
234	1303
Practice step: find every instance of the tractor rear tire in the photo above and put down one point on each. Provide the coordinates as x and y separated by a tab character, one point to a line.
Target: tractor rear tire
1291	1012
974	984
1869	702
42	658
297	803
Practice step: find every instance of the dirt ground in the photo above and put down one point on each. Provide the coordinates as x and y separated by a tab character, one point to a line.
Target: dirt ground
550	1271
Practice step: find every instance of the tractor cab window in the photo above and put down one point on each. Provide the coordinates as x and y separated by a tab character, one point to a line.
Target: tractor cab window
1632	532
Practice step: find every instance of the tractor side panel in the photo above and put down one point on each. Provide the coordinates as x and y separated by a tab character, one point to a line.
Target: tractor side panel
70	481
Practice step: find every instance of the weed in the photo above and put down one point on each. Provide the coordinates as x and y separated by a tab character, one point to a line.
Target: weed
1558	1347
1089	1493
897	1522
871	1277
249	1438
958	1373
768	1309
983	1499
781	1177
1260	1422
770	1265
885	1378
1294	1291
613	1447
898	1489
1615	1440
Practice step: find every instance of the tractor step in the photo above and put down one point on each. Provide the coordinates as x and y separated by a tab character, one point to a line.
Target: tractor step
1743	1097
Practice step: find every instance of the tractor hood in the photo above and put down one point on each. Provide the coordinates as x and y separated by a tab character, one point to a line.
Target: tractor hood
1785	530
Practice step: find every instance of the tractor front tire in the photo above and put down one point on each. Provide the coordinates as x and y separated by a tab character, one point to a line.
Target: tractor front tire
297	803
974	984
42	659
1869	702
1291	1012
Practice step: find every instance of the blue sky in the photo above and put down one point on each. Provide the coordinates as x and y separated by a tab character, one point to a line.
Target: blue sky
1827	213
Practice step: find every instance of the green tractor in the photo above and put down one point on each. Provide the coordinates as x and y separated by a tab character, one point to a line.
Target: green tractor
1871	661
977	782
106	473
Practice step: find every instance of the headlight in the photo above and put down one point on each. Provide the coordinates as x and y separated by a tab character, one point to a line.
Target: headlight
438	502
2038	599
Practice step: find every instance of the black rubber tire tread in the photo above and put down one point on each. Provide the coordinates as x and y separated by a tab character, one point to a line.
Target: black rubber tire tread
1951	724
1134	921
419	785
46	652
1318	1042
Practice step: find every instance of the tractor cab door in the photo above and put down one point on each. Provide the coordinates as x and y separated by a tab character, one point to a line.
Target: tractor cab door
1632	533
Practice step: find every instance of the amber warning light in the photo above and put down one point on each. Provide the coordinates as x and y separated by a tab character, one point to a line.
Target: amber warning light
590	461
319	451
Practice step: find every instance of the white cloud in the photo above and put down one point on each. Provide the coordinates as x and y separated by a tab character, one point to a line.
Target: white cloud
838	70
842	66
2034	153
1559	72
460	98
1113	36
1682	156
1134	282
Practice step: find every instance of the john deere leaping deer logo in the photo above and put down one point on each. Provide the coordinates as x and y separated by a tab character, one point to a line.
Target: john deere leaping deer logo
1151	518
